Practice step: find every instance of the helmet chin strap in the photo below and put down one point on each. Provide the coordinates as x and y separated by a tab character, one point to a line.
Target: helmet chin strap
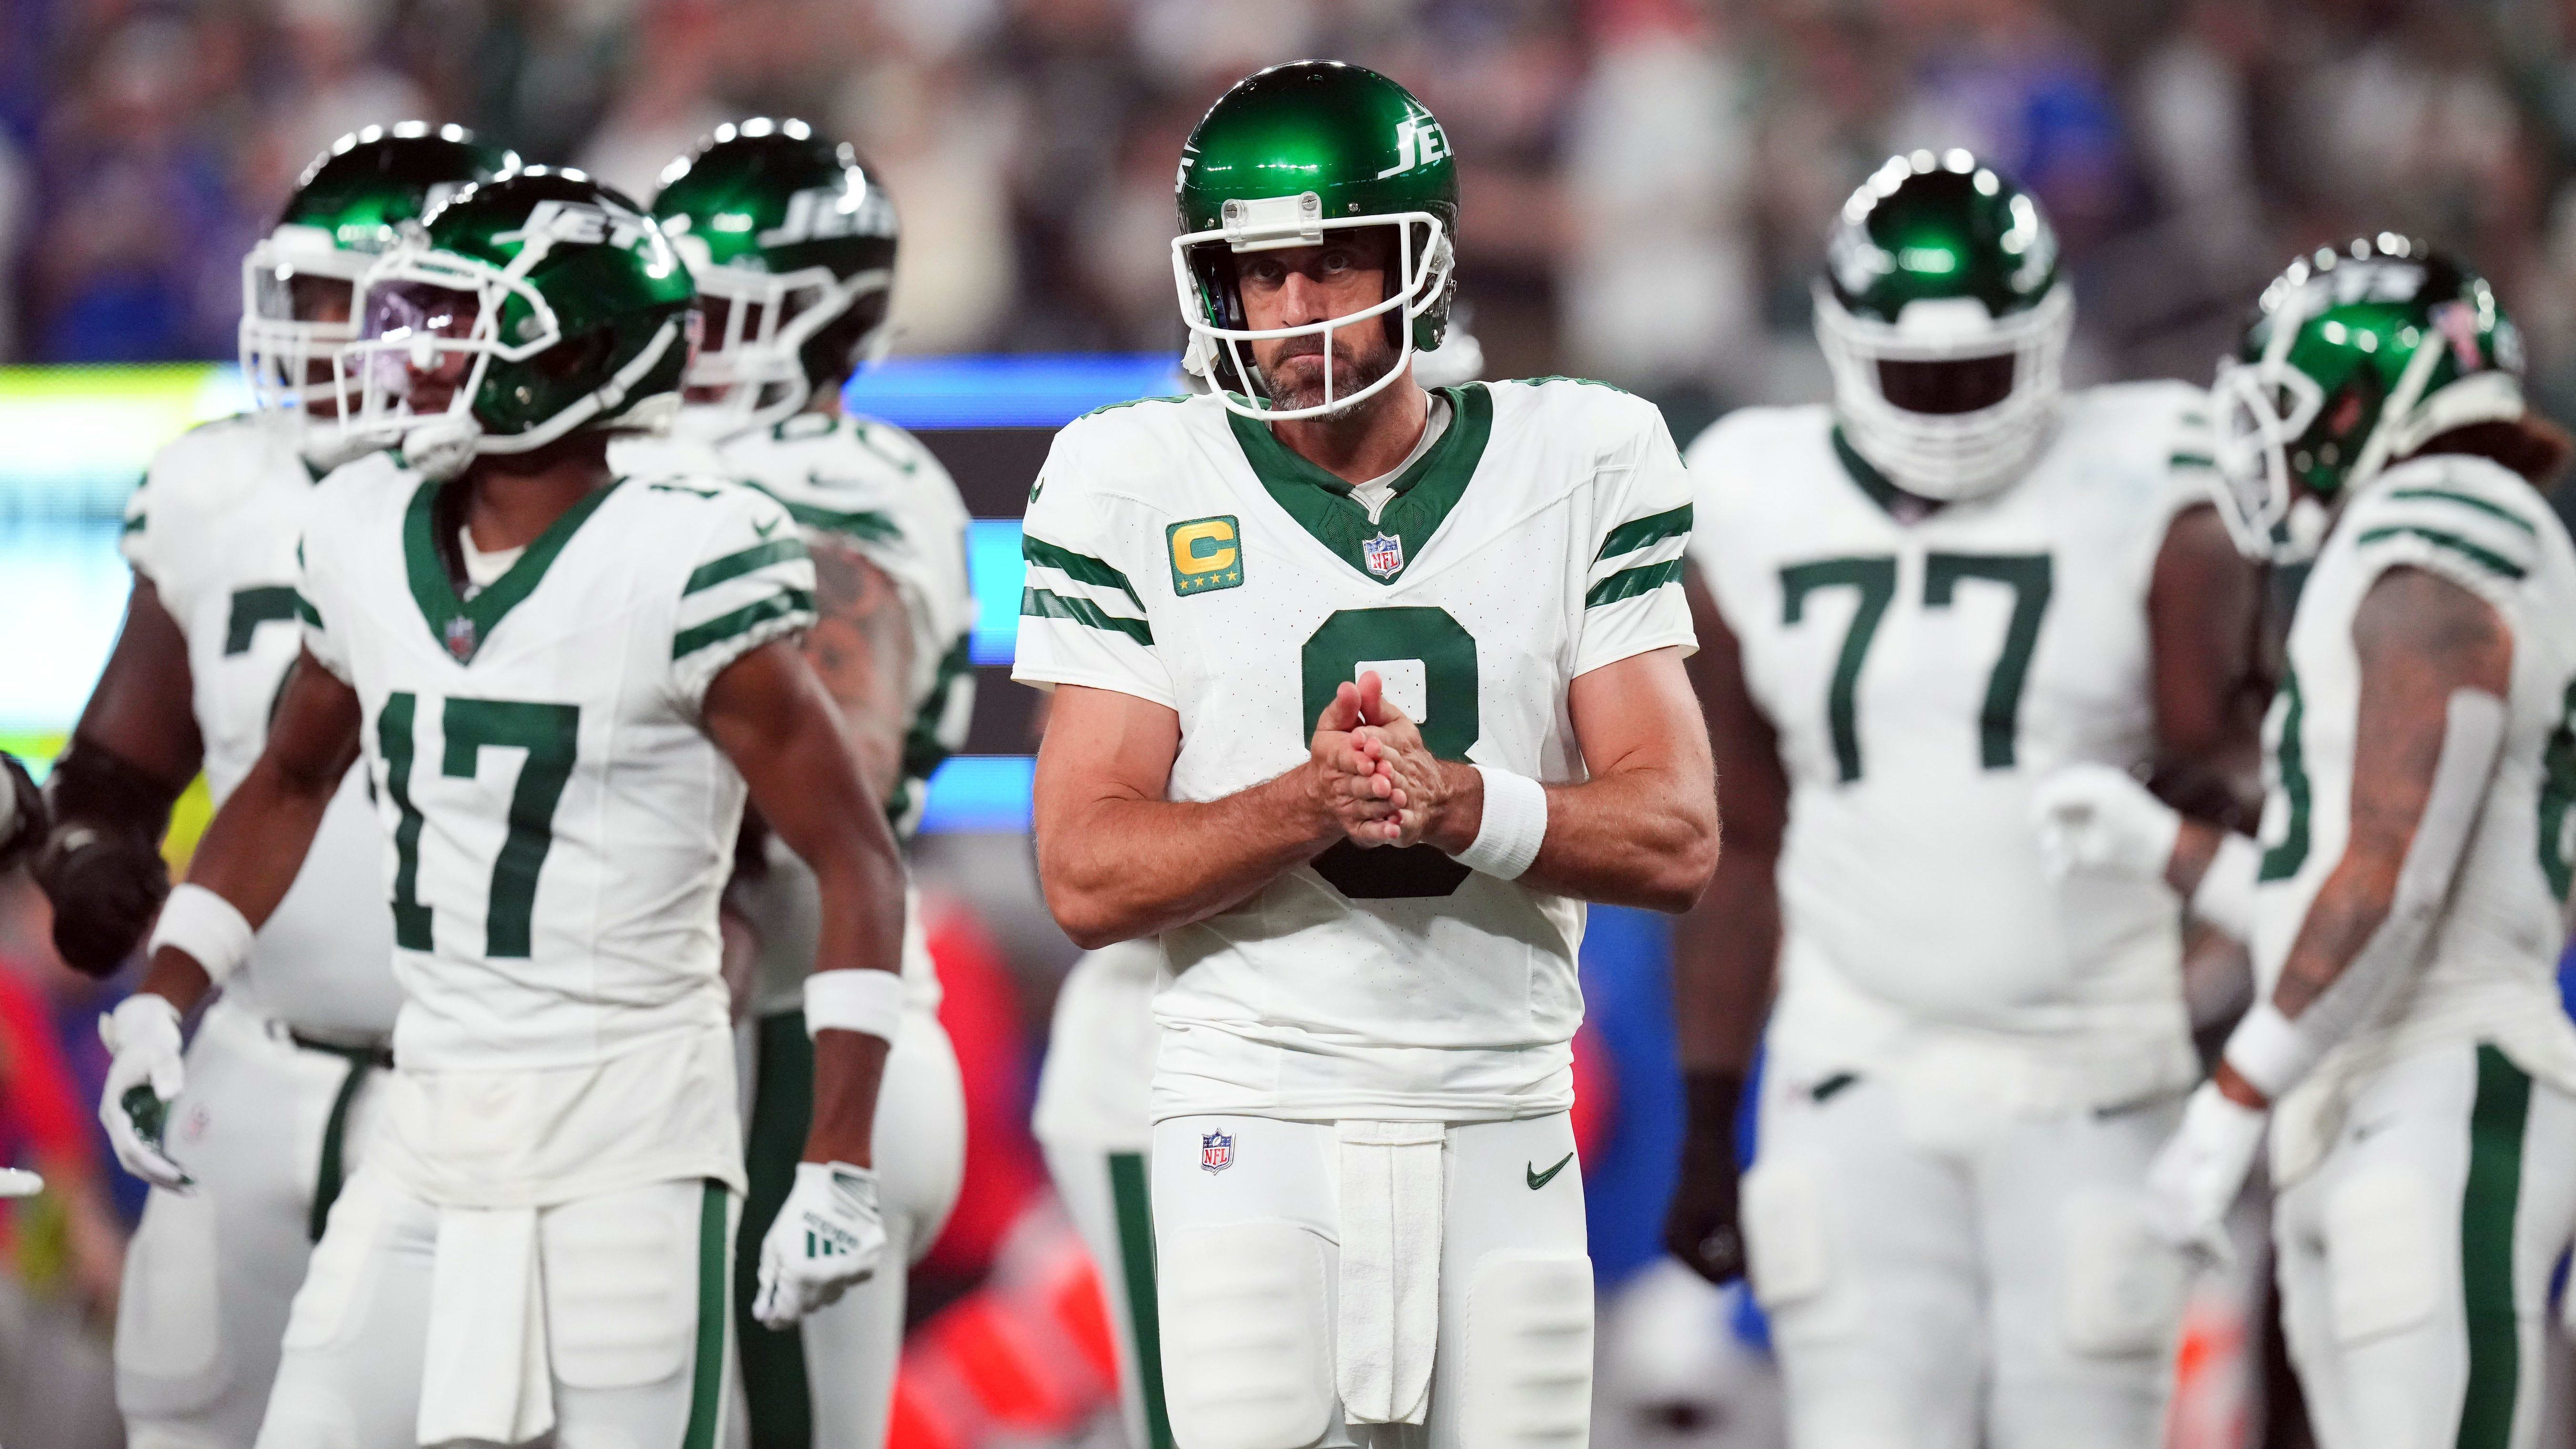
439	447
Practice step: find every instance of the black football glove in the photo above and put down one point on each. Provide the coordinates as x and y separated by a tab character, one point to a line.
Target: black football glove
1700	1227
105	884
24	821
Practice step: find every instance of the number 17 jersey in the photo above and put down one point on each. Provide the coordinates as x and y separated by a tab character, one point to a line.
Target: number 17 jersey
558	824
1922	676
1181	554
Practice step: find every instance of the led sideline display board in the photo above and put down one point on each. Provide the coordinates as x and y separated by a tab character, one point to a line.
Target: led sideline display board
78	439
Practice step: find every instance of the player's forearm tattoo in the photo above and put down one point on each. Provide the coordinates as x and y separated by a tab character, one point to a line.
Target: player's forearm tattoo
861	647
2420	638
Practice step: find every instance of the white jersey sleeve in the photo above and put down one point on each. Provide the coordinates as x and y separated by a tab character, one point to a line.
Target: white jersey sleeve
2447	527
1633	601
754	582
1082	620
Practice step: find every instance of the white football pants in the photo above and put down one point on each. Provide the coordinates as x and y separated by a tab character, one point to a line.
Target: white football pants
828	1382
1943	1272
210	1274
1249	1265
636	1332
2415	1261
1106	1194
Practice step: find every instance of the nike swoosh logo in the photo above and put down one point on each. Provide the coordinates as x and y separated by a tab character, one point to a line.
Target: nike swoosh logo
765	529
1538	1179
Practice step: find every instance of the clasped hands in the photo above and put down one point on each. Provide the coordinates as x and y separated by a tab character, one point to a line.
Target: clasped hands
1371	774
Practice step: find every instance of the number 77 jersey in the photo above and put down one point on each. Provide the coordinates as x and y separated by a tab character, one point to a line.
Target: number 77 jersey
1183	555
1922	675
558	824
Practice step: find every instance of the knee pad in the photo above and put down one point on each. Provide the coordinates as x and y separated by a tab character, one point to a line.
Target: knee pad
169	1318
621	1277
2385	1261
1528	1353
1247	1339
1785	1233
338	1270
2123	1287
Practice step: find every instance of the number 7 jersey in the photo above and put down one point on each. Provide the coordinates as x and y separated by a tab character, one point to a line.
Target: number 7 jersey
558	824
1922	676
1183	555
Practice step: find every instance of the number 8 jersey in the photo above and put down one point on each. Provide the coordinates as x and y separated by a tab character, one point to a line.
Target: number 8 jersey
1185	556
1922	675
558	824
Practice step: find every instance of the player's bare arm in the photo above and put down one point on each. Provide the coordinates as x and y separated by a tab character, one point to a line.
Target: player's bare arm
256	844
134	750
1119	861
2422	641
861	649
1726	951
2204	622
772	718
1641	831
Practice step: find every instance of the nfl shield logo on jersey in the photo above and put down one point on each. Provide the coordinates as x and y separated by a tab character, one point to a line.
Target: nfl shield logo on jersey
460	637
1383	554
1216	1151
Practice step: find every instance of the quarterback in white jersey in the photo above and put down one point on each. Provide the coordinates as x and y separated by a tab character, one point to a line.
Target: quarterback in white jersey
1316	641
563	683
2405	899
792	242
283	1074
1919	601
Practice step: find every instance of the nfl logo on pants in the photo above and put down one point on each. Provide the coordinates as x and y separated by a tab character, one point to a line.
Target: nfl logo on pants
1216	1151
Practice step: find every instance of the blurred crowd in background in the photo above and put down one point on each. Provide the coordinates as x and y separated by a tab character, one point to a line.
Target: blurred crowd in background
1646	181
1646	185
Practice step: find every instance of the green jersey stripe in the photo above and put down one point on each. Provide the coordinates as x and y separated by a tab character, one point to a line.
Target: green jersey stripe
1040	604
2487	1206
135	524
1081	567
1636	533
1628	583
2191	460
750	616
866	524
735	565
2485	558
2470	500
305	611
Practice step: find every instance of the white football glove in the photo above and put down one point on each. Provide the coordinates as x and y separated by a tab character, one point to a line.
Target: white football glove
19	1182
143	1080
2095	818
826	1240
2195	1179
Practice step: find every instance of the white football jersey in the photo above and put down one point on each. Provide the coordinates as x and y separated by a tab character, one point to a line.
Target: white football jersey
1181	554
214	527
871	486
1922	677
2489	971
559	825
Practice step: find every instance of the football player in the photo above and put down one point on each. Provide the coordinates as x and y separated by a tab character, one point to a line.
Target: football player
563	682
1316	639
792	243
1920	600
2404	898
1094	1116
284	1069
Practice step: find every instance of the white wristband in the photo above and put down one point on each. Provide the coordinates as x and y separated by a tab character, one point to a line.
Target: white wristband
859	999
207	927
2269	1051
1507	839
2225	896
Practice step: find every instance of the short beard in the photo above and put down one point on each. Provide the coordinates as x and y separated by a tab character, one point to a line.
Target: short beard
1350	375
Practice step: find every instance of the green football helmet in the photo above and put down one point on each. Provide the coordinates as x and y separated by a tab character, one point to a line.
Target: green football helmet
345	211
539	304
792	244
2353	361
1944	322
1289	154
